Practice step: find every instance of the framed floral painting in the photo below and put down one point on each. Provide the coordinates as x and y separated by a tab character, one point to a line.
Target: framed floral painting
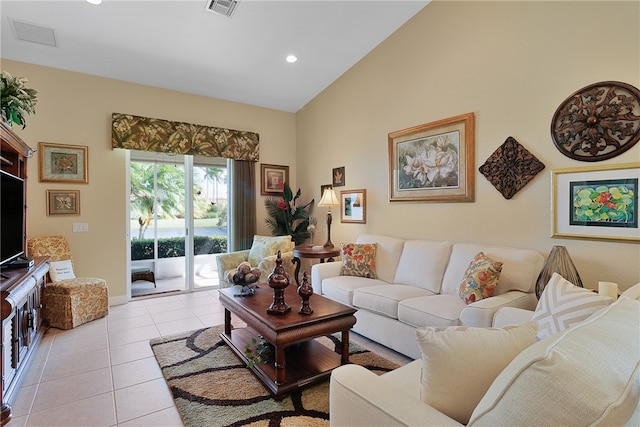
272	179
433	162
596	202
63	202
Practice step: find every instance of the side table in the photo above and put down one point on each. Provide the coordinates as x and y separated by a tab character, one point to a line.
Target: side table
306	251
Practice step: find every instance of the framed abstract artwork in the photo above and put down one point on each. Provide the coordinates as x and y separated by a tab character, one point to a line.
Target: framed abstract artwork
63	163
353	206
272	179
433	162
63	202
596	202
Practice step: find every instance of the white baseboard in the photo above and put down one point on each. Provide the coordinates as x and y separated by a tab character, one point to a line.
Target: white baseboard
119	300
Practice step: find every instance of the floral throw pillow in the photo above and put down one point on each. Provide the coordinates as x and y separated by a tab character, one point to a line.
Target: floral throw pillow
480	279
359	260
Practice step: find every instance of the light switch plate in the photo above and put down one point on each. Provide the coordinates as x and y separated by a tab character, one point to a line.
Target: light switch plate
80	227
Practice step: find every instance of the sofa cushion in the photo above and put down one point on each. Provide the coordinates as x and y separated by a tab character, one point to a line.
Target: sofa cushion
359	260
387	254
384	299
586	375
264	246
633	292
460	363
433	310
422	264
520	267
480	279
61	270
341	288
563	304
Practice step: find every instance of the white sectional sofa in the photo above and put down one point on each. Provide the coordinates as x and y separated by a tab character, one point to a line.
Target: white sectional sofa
588	374
417	285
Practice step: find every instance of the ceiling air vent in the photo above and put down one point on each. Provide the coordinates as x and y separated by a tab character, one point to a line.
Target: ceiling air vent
223	7
28	32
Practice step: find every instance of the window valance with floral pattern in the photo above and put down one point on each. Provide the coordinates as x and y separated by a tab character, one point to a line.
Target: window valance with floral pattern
147	134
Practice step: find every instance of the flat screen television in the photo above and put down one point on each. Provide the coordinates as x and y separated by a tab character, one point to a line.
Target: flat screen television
12	216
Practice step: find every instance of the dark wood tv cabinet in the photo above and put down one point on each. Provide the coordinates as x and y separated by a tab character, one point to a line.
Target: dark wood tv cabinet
22	325
21	289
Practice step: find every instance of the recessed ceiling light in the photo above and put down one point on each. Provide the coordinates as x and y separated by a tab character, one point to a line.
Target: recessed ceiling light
291	59
94	1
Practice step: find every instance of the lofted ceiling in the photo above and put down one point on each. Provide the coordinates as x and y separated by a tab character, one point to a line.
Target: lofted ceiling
181	45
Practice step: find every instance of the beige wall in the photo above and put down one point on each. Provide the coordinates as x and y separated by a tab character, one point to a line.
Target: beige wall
510	63
76	109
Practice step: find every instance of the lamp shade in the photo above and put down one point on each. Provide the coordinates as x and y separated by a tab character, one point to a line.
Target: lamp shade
559	262
329	198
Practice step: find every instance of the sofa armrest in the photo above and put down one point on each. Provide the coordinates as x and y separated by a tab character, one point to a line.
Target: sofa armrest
229	261
322	271
480	313
511	316
358	397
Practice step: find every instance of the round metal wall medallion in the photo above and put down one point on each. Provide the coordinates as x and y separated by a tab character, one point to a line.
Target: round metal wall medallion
598	122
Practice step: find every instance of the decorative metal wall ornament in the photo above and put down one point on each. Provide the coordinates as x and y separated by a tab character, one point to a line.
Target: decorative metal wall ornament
598	122
511	167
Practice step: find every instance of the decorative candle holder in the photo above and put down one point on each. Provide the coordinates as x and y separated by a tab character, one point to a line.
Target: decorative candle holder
305	290
278	280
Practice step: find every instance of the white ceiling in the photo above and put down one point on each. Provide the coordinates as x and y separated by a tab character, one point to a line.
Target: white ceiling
179	45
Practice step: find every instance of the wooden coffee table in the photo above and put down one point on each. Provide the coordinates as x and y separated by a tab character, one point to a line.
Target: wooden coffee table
299	359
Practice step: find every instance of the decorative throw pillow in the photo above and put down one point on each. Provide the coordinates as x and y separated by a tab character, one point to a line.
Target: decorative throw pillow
264	246
563	304
480	279
359	260
61	270
459	363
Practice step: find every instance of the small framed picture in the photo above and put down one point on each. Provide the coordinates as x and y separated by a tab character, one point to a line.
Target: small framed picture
323	188
63	163
272	179
353	206
63	202
338	177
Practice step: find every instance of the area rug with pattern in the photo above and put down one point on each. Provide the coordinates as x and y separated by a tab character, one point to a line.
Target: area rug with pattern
211	386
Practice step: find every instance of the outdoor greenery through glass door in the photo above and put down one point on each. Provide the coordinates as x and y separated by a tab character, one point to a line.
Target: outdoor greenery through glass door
159	218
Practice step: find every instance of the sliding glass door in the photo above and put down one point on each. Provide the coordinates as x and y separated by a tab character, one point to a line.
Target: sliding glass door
169	197
209	222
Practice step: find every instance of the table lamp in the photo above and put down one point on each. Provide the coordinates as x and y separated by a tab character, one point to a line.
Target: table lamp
329	199
559	262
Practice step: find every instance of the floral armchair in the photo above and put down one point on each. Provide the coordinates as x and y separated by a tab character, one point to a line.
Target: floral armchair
262	255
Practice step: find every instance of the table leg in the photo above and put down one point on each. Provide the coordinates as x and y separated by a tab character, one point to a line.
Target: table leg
227	322
280	364
345	347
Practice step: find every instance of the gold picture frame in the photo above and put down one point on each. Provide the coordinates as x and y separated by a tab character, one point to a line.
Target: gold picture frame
433	162
596	202
63	202
353	206
272	179
63	163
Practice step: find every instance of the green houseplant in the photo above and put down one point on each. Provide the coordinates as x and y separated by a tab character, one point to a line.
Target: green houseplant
286	217
16	99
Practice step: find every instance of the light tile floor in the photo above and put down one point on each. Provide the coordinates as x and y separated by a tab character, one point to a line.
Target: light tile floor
104	373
